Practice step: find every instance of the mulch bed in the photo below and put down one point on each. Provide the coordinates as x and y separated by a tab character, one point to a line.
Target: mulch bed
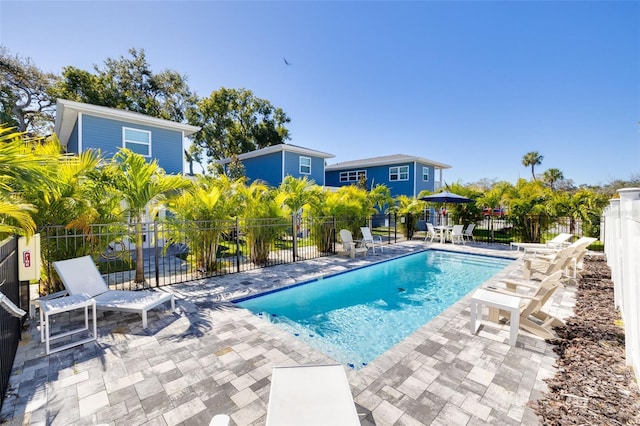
593	385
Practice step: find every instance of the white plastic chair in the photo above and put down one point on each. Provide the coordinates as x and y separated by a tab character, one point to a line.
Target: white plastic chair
351	247
370	240
456	234
468	232
433	233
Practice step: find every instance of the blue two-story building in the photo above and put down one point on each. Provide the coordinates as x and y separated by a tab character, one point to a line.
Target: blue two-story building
402	174
273	163
81	127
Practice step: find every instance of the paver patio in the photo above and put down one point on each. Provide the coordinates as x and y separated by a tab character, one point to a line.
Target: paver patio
211	357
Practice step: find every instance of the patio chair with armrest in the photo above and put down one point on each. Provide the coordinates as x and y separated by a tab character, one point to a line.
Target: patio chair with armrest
80	276
350	246
432	232
532	316
370	240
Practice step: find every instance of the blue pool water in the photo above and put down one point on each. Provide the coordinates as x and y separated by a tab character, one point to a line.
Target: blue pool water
356	316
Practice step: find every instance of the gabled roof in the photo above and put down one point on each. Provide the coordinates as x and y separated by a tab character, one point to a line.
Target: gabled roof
383	161
67	115
278	148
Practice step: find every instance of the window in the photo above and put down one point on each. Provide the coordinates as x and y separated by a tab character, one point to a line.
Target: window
425	174
138	141
305	165
352	176
398	173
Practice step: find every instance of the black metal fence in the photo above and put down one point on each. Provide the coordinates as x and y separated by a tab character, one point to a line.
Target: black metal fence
10	326
172	252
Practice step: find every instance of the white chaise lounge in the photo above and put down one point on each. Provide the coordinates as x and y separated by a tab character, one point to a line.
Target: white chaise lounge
80	276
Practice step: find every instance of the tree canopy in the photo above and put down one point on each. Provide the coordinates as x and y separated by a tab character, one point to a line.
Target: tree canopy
128	83
532	159
235	121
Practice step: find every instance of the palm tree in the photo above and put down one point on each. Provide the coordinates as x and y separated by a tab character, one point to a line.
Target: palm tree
532	159
142	185
211	201
298	193
552	176
20	168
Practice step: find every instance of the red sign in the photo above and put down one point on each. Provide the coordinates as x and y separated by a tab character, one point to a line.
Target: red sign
26	258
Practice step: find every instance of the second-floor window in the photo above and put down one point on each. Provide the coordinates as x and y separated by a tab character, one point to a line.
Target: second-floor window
352	176
425	174
305	165
398	173
138	141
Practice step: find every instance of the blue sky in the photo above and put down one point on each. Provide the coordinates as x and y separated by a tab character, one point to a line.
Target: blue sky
472	84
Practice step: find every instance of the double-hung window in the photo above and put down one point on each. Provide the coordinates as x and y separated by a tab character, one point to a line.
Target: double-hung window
138	141
398	173
305	165
425	174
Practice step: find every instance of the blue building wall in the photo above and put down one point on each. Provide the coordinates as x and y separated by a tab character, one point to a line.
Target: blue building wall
106	135
420	184
72	144
292	167
267	168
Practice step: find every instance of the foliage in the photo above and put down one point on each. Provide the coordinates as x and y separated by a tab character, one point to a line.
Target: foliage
142	186
264	219
409	210
235	121
528	209
584	205
128	83
203	214
552	176
532	159
21	168
25	101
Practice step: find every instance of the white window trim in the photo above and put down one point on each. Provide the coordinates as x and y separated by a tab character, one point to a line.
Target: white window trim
348	174
425	169
304	165
397	172
124	140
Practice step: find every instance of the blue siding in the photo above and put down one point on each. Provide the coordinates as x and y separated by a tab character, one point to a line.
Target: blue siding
420	184
267	168
379	175
292	167
72	144
106	135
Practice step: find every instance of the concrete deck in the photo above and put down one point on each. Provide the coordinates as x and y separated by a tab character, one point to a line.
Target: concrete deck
211	357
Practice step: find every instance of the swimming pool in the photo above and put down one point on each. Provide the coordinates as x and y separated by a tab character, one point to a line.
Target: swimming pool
356	316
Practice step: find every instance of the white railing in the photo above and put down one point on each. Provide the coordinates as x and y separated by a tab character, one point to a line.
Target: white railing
622	247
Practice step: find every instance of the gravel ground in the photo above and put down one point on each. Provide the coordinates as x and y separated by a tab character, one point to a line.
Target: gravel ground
593	385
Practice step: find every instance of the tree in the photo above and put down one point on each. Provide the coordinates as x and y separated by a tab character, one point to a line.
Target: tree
410	209
532	159
235	121
129	84
20	168
25	101
142	185
211	202
552	176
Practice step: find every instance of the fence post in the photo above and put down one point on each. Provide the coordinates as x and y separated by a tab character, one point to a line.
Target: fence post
335	237
395	227
294	233
156	255
237	238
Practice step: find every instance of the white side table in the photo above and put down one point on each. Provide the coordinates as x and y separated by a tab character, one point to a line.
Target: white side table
495	300
61	305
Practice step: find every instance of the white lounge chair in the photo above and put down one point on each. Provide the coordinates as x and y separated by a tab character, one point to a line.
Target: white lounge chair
370	240
311	395
351	247
80	276
468	232
559	241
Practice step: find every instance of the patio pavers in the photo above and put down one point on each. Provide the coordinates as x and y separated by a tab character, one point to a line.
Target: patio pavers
212	357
